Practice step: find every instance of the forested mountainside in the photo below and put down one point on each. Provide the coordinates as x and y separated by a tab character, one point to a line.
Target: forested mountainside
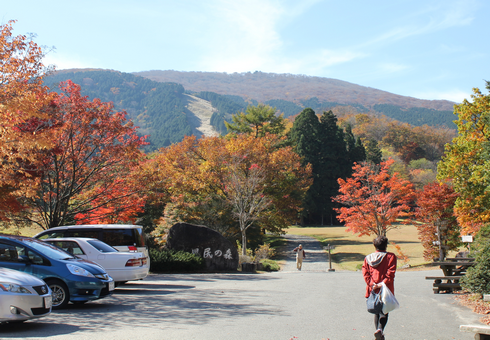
160	109
292	88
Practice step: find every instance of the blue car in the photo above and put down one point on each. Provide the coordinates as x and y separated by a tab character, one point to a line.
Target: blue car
70	278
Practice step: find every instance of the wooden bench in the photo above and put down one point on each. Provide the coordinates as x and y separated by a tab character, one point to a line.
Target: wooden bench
453	270
451	283
482	332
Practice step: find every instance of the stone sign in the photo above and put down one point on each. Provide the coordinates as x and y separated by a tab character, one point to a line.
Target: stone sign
218	253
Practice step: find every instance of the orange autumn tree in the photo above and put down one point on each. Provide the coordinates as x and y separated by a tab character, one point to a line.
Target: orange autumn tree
114	206
196	174
87	168
373	199
245	190
23	128
436	203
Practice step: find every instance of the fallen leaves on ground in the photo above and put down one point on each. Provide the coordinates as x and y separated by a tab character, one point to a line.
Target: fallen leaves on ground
476	303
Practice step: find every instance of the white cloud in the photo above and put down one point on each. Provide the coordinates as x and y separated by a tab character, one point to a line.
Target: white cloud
242	37
455	95
318	63
245	37
64	62
428	20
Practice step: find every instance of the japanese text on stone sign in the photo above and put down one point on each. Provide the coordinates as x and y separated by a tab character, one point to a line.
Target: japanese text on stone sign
209	254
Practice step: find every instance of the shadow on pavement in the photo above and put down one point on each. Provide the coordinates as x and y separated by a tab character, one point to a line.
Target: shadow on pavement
38	327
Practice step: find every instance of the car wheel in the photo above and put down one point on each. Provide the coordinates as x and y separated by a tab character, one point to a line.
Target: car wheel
61	295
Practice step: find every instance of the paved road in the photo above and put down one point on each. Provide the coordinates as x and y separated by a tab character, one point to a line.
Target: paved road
316	258
311	304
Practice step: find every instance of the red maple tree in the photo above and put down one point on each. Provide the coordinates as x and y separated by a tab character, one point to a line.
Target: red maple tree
87	168
114	206
373	199
435	203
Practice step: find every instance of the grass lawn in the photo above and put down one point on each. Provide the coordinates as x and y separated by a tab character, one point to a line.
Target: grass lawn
350	249
27	231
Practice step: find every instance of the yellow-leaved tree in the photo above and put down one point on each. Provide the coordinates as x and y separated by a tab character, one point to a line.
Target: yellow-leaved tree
228	184
467	162
24	121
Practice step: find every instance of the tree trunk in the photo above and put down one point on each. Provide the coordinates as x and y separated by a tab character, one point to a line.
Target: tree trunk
244	243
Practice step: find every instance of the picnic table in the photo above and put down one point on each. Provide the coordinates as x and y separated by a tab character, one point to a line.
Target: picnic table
453	270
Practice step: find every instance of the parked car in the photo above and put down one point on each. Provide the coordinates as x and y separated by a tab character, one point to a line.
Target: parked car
123	237
23	296
121	266
69	278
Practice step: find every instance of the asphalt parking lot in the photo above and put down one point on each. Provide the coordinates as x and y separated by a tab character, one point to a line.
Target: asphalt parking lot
309	304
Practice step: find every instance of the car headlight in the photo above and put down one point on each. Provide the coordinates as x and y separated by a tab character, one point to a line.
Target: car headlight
76	270
13	288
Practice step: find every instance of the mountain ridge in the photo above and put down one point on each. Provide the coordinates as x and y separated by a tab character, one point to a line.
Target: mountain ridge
168	111
267	86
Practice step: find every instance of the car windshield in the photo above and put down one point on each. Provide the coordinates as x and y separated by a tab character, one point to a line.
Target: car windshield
48	249
52	234
101	246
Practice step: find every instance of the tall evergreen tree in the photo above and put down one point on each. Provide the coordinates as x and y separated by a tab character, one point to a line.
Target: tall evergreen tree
305	135
373	152
335	164
355	148
321	143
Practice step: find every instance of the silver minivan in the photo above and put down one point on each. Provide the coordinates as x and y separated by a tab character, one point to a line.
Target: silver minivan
123	237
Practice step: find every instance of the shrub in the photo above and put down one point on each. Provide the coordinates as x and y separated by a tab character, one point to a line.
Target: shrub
269	265
264	252
243	258
477	277
166	261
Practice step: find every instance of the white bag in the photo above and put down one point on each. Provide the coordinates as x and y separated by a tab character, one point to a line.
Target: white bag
389	301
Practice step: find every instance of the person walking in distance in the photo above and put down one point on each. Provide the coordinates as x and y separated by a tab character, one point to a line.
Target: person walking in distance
379	267
300	255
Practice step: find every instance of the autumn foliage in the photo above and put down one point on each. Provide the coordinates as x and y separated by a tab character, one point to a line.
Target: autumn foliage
86	173
373	199
200	177
245	191
121	204
466	163
435	203
22	97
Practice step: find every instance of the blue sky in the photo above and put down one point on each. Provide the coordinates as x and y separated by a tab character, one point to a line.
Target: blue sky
426	49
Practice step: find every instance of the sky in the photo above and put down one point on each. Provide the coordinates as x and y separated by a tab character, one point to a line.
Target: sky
427	49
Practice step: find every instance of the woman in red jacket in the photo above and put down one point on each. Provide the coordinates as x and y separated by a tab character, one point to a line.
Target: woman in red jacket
377	268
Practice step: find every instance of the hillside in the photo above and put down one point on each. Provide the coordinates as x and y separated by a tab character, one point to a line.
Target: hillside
199	116
294	88
158	109
168	111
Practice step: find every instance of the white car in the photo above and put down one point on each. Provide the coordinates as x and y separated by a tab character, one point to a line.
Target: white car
23	296
121	266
